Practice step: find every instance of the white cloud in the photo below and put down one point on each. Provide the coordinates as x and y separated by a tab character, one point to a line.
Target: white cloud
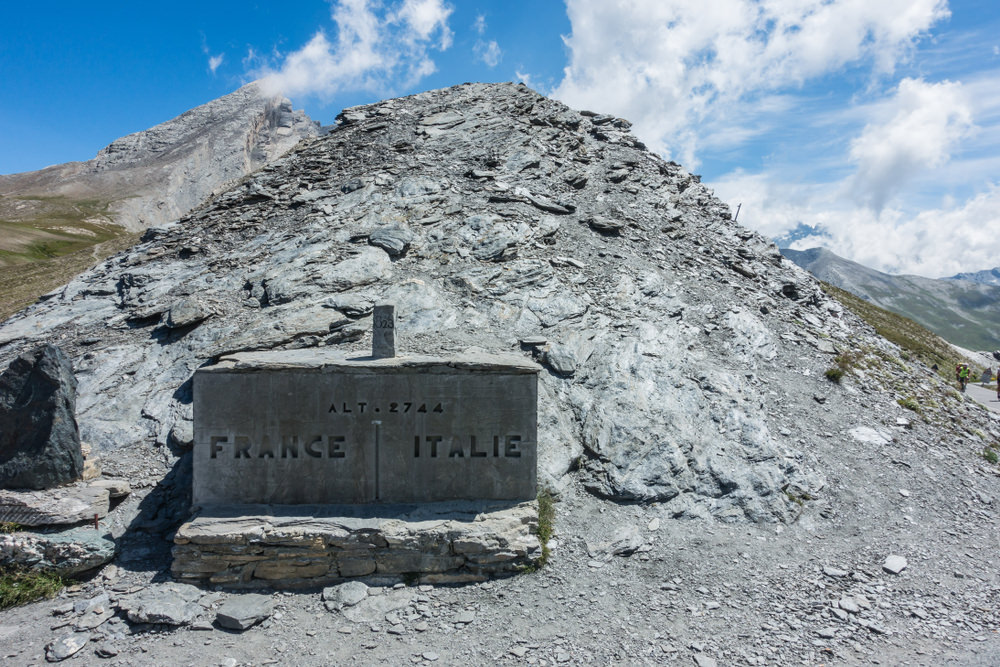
488	52
935	242
918	129
376	47
213	61
480	24
670	65
424	18
900	179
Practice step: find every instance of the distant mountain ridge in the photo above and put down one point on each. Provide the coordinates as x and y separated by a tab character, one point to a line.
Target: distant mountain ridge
964	312
984	277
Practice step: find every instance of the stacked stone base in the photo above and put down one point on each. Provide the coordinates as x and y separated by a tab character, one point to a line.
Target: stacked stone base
275	546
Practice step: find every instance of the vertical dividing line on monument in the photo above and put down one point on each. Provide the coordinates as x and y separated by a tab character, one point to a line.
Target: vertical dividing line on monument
378	429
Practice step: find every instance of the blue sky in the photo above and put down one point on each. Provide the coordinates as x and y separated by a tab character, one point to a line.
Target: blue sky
875	123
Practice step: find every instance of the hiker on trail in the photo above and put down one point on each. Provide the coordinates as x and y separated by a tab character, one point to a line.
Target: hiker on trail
963	376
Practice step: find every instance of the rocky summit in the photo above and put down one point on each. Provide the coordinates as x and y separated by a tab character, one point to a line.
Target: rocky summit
766	452
154	176
493	218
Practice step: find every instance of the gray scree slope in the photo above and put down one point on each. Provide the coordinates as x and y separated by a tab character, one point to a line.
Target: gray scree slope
489	215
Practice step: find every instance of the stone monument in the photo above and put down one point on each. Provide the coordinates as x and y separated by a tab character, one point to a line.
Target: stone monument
318	436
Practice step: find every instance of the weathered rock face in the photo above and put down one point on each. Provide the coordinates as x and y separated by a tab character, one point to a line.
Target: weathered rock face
489	215
39	440
159	174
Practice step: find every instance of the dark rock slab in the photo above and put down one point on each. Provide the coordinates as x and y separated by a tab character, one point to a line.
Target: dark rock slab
185	313
394	239
39	439
244	612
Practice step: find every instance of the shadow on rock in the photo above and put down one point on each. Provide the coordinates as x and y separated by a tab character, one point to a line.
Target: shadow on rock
147	541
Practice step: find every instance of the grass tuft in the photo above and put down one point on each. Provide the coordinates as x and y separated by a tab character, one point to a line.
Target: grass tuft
18	587
546	528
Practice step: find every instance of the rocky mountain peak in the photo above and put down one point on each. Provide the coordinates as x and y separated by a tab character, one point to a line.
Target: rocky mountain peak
272	127
156	175
685	358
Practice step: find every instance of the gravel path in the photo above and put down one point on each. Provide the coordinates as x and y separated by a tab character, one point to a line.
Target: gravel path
986	397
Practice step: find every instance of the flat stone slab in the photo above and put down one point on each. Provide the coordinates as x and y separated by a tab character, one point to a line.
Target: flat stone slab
318	361
894	564
66	646
54	507
314	426
171	604
255	546
244	611
343	595
117	488
68	552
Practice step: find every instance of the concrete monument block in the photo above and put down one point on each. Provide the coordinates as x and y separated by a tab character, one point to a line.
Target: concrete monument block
310	426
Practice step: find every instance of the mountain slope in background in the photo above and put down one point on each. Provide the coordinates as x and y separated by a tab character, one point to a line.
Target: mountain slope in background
159	174
963	312
57	221
985	277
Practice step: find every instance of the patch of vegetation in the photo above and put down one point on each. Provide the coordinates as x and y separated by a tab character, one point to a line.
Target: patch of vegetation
7	527
990	455
19	587
797	496
910	403
546	528
845	362
22	284
916	341
834	374
46	241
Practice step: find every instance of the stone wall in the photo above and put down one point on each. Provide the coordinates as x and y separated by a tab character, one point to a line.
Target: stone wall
256	546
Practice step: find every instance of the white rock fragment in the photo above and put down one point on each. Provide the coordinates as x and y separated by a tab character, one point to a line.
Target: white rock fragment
894	564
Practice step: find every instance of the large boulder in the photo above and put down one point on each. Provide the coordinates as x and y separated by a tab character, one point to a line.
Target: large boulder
39	439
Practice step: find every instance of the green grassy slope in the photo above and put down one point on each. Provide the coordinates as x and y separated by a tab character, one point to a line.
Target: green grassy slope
916	341
46	241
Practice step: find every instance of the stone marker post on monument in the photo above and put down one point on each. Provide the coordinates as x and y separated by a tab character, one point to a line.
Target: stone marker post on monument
384	332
